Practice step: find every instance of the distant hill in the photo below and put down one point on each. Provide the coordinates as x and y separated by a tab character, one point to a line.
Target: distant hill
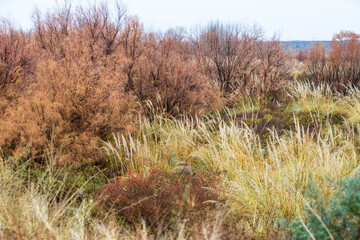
303	45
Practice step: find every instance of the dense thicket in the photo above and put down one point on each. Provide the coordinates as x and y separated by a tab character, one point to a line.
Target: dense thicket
79	73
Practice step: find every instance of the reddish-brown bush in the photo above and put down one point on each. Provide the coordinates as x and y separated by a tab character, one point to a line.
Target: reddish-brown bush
344	59
317	62
157	195
272	69
15	57
76	96
302	55
341	65
168	76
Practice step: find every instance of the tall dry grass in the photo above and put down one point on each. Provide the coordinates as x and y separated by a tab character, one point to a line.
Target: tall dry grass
45	208
263	183
91	85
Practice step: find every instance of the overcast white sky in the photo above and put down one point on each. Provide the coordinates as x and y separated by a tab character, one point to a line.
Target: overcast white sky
291	19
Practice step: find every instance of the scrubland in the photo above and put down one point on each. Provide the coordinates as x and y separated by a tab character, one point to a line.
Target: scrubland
111	131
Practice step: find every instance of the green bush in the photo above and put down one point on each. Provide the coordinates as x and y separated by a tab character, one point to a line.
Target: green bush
340	220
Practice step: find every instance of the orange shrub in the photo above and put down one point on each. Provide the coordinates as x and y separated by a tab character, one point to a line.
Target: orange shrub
76	96
15	58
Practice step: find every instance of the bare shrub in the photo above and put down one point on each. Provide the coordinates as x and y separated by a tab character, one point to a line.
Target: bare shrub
228	54
168	76
241	61
133	43
102	27
91	65
51	32
272	69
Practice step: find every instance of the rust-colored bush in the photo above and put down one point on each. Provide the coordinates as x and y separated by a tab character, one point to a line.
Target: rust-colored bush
317	62
344	59
15	57
76	97
341	65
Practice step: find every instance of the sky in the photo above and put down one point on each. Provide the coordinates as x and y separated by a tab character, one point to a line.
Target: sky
288	19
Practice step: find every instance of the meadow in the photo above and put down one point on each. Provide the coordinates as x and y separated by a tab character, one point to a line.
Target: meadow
111	131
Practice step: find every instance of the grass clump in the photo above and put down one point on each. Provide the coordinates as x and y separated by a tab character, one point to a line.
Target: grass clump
275	117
